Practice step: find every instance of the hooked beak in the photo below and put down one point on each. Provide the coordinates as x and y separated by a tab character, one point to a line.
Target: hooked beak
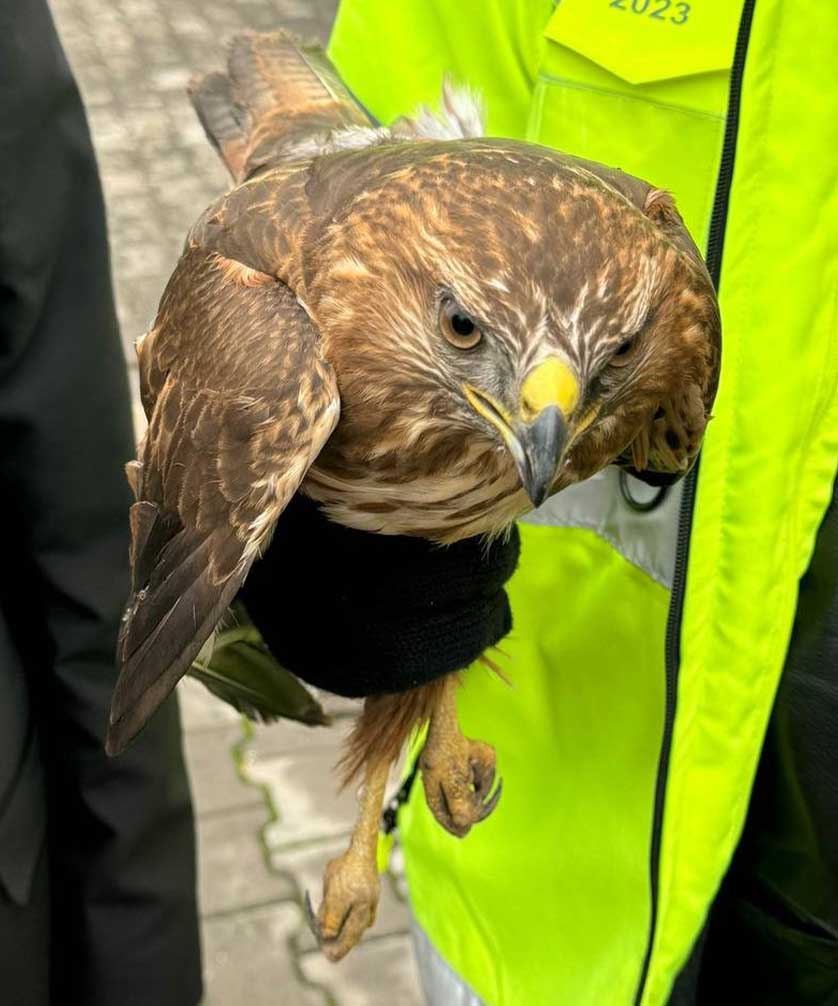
542	443
539	435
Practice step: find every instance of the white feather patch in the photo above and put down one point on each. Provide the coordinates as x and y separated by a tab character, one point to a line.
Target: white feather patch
460	116
351	138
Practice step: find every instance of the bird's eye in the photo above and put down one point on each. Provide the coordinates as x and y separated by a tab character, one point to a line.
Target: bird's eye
623	353
459	328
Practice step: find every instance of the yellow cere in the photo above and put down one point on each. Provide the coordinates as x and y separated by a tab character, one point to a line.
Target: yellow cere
552	382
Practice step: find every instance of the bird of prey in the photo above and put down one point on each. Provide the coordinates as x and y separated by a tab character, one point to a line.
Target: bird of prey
422	329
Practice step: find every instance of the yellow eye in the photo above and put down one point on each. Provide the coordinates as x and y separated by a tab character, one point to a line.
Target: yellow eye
459	328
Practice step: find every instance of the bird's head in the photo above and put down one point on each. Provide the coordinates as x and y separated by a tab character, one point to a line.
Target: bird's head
500	294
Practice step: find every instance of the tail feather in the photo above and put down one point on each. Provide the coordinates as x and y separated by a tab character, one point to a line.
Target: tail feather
277	92
224	122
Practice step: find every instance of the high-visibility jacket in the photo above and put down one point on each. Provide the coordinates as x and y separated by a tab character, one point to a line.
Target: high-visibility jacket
649	633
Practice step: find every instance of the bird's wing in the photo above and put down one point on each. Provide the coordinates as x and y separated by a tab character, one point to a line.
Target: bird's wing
276	94
240	402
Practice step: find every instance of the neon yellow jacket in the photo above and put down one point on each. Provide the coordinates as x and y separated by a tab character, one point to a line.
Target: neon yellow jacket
628	746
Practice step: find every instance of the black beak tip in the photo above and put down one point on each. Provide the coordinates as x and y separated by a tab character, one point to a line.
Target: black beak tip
538	494
543	442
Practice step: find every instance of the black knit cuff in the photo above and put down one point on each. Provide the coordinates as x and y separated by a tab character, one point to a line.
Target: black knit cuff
358	613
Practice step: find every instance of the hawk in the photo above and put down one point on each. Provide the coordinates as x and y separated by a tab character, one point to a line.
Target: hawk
424	330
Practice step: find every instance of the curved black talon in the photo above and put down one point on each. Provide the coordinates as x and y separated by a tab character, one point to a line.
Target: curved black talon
480	809
491	803
446	807
311	918
482	783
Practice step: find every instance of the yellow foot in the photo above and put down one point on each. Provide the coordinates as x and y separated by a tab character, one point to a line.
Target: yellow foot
350	900
458	775
457	772
350	885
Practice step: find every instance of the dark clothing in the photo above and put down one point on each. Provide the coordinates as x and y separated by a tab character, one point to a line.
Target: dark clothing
25	942
772	935
96	856
398	611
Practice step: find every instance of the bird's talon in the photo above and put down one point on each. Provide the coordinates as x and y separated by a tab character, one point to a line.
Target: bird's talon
444	806
350	901
490	803
311	918
459	775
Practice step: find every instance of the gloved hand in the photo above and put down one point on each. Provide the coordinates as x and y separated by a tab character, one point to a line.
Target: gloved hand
358	613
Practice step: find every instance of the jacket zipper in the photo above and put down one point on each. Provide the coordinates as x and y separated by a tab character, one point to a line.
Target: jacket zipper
672	650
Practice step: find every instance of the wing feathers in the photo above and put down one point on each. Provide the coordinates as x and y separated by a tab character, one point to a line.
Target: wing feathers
243	405
276	92
153	669
148	536
224	122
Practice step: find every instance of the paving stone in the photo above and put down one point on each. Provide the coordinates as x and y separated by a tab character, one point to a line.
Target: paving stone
216	784
302	789
170	78
337	705
139	419
234	872
248	960
378	972
289	737
111	134
200	709
120	185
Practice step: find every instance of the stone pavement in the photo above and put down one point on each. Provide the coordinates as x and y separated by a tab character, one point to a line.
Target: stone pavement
267	809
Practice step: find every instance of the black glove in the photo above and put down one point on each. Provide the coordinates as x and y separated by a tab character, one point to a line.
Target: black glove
358	613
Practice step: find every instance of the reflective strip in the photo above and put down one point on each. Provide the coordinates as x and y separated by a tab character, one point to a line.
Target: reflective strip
646	539
440	985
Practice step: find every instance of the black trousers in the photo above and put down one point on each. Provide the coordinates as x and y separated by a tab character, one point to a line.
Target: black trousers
771	938
97	856
25	943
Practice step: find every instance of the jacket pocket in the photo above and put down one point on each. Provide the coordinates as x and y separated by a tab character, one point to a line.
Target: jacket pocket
641	85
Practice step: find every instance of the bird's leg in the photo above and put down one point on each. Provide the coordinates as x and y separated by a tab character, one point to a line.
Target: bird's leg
457	772
350	884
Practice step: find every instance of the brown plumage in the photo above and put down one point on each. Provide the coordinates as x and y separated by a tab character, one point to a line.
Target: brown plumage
424	330
383	725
